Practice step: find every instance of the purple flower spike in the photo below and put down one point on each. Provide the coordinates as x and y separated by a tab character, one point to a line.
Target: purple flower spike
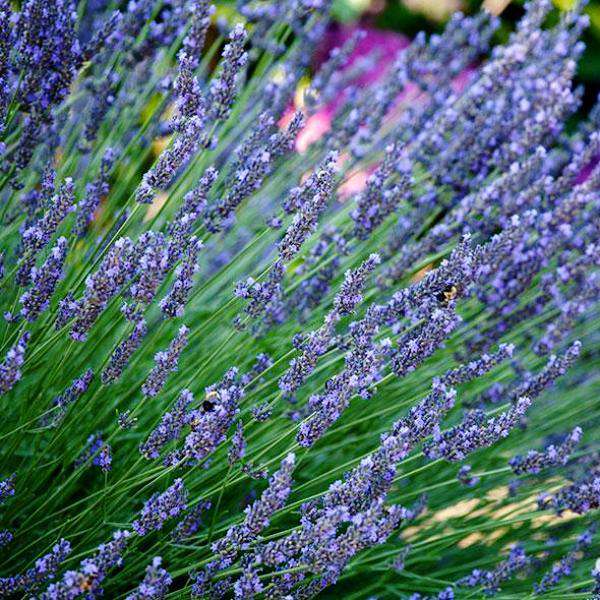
161	507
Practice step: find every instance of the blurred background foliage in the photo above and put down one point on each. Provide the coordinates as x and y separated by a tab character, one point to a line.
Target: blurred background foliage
411	16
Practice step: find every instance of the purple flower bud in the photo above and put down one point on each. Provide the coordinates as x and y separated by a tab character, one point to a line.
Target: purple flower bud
238	445
6	537
171	160
61	403
125	420
39	235
199	14
94	193
194	205
7	488
465	477
114	270
173	304
224	84
311	201
354	281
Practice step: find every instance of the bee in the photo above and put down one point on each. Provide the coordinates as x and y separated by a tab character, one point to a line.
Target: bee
447	295
87	583
208	404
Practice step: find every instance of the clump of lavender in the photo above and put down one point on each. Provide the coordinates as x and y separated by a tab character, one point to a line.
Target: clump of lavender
386	253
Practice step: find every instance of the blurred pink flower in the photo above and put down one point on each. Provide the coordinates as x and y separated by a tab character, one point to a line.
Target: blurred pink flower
381	45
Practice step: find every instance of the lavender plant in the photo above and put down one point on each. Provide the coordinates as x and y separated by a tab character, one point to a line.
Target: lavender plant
227	370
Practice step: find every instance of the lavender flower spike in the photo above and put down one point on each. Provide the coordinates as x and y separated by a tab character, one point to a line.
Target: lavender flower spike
564	566
45	568
39	235
114	270
191	522
490	580
210	424
465	477
474	433
581	497
43	282
123	353
259	513
170	426
534	461
87	580
155	584
61	403
10	369
173	304
98	452
200	12
7	488
166	362
223	86
354	281
161	507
